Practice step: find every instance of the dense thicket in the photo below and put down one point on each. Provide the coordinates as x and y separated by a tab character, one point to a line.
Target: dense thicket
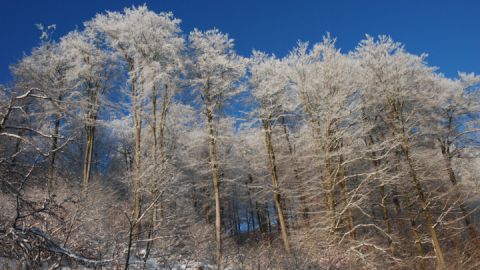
129	144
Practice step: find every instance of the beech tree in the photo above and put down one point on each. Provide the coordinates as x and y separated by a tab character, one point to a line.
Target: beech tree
455	124
269	81
395	78
146	41
90	73
215	73
45	69
325	81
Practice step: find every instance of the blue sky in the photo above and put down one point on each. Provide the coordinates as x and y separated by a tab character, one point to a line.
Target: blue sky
449	31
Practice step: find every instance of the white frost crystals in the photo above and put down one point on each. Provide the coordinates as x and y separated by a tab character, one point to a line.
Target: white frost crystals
128	144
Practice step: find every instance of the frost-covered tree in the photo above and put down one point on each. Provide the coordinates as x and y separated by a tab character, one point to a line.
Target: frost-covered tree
149	44
454	126
45	69
324	79
89	74
398	84
214	75
269	82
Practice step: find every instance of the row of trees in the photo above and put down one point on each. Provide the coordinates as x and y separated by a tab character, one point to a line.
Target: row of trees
128	143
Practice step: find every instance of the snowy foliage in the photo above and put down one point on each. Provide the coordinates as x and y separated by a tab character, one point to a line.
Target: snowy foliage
129	144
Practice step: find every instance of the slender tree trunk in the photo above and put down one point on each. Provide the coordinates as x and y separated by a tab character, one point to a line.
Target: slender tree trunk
386	219
7	113
331	193
90	133
315	126
383	200
251	207
87	164
418	243
136	107
304	209
215	176
451	175
416	235
159	145
138	138
163	121
153	218
154	124
131	229
236	218
262	217
397	206
53	152
344	189
17	149
448	165
350	223
425	209
150	235
18	142
269	220
332	172
397	115
276	191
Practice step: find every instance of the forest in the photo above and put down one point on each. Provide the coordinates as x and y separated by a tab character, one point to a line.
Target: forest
129	144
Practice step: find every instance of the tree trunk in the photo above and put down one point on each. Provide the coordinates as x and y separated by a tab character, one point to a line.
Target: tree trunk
90	133
18	142
383	201
304	210
88	158
53	153
154	124
262	217
425	209
332	173
215	177
251	207
350	223
397	115
163	120
451	175
276	192
269	220
386	219
344	190
416	237
159	145
331	193
155	184
136	107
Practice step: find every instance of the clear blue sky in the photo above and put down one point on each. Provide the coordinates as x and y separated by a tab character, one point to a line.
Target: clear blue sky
449	31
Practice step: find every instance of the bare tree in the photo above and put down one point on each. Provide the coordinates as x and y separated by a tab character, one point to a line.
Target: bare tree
215	73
